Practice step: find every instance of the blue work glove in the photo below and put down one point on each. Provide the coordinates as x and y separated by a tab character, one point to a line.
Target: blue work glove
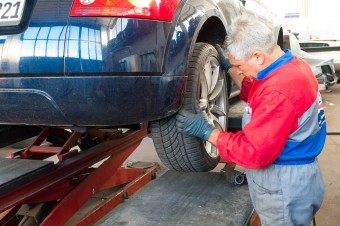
194	124
223	59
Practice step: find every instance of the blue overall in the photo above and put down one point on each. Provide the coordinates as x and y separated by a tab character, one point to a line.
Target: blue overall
286	194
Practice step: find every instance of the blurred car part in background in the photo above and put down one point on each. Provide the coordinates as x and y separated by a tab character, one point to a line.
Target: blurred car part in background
324	48
322	67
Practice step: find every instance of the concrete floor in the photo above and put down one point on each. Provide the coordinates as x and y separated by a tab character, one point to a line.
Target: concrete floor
329	159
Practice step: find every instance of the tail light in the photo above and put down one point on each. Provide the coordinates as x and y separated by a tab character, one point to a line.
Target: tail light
144	9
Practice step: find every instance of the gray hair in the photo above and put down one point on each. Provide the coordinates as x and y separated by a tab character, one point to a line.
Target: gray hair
248	34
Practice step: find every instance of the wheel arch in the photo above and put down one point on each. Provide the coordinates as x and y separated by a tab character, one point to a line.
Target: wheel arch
213	31
204	25
209	27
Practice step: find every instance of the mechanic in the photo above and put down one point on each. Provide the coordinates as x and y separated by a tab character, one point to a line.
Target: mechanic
283	126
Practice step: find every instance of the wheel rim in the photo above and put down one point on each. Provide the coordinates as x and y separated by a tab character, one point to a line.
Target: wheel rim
213	99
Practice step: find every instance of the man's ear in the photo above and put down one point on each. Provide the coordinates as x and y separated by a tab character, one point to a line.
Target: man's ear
258	57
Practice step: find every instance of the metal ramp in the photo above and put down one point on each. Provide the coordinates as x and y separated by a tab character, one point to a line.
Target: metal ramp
18	172
178	198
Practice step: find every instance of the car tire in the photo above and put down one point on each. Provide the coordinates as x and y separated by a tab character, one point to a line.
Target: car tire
207	84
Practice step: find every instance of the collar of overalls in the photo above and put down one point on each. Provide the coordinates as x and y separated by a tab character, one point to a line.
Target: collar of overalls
288	56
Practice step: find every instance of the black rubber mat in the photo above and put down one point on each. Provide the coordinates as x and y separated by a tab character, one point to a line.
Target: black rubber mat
178	198
17	172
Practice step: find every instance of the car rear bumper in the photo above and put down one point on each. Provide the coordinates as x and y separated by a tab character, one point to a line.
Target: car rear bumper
89	101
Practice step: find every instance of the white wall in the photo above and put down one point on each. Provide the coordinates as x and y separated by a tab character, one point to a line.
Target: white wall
316	18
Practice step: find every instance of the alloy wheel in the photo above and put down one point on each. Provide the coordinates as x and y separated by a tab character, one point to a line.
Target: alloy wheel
213	99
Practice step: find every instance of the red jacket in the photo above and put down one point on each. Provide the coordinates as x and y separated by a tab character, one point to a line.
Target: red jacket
284	111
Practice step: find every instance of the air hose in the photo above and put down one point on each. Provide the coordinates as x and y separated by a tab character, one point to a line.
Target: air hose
333	133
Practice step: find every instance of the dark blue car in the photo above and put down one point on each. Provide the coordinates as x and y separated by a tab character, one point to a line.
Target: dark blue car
119	63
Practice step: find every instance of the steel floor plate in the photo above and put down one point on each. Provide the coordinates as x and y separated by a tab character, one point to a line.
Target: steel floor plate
178	198
17	172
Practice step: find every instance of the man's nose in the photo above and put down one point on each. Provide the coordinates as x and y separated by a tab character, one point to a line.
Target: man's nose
239	72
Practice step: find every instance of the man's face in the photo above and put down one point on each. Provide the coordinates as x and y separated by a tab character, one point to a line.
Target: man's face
248	67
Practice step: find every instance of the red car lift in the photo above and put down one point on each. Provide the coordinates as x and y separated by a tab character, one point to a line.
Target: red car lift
29	187
37	191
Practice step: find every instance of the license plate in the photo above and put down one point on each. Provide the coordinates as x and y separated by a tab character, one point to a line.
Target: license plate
11	12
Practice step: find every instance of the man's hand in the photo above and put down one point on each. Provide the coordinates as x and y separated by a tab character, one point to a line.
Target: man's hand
194	124
224	60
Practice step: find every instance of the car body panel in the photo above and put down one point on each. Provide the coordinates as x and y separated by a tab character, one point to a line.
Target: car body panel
95	82
115	45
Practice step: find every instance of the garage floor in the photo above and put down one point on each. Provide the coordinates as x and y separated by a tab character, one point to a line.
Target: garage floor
330	159
329	214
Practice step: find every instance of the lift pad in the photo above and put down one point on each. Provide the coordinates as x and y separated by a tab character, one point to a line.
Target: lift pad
178	198
17	172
